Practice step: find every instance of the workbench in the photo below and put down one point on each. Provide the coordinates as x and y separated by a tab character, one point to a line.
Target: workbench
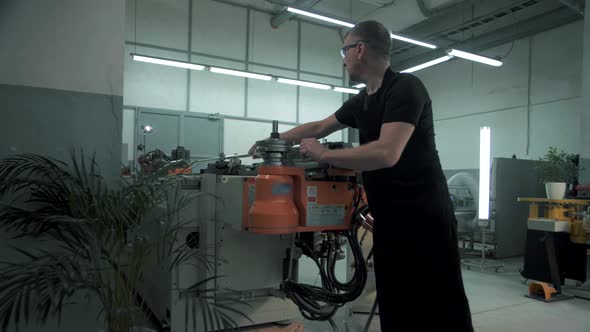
556	245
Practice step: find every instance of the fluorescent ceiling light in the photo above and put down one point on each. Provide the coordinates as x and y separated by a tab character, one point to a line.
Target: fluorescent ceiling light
303	83
359	86
428	64
218	70
319	17
485	150
166	62
350	25
346	90
240	73
474	57
413	41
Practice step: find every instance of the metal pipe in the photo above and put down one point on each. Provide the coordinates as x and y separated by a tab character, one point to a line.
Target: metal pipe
243	155
222	157
233	117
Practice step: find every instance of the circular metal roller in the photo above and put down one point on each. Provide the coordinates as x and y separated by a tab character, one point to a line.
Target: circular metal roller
273	151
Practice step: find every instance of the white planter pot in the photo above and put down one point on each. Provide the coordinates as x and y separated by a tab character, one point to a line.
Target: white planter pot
555	190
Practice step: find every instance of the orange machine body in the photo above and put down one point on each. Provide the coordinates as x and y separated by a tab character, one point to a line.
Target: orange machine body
281	201
180	170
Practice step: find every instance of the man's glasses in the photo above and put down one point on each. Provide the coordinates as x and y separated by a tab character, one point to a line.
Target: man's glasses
347	47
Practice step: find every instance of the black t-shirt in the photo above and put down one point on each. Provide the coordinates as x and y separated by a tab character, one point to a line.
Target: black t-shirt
411	197
401	98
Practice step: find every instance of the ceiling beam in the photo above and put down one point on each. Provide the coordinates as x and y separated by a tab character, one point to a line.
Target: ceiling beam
522	29
431	12
450	17
577	5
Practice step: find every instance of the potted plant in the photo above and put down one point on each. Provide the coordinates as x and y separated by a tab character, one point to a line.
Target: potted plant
557	169
92	240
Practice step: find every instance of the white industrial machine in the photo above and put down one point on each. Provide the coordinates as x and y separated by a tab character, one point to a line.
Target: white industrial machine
244	266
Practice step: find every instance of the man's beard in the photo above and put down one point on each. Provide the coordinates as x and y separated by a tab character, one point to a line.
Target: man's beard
353	77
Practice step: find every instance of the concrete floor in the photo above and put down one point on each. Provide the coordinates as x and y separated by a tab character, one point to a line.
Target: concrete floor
497	304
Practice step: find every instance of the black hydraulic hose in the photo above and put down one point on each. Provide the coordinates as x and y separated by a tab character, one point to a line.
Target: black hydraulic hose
321	303
334	326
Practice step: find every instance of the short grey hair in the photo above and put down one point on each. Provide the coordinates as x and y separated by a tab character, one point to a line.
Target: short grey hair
376	35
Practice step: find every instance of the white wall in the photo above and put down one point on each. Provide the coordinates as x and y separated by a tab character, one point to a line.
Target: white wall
541	74
232	37
37	38
61	87
585	113
61	79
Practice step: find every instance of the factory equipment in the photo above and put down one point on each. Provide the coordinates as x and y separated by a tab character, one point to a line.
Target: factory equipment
291	198
464	191
555	246
229	165
153	160
252	224
295	194
505	234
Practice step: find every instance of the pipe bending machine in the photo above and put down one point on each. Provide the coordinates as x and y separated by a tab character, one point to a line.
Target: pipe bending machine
252	225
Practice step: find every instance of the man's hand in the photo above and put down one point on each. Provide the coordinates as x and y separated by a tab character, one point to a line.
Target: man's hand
252	150
310	147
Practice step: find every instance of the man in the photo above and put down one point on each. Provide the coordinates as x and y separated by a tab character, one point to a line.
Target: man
415	242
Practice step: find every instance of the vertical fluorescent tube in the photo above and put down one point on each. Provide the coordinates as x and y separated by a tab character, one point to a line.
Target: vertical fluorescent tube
485	151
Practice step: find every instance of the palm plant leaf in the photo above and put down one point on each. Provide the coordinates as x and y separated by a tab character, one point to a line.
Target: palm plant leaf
44	278
204	313
31	166
98	238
